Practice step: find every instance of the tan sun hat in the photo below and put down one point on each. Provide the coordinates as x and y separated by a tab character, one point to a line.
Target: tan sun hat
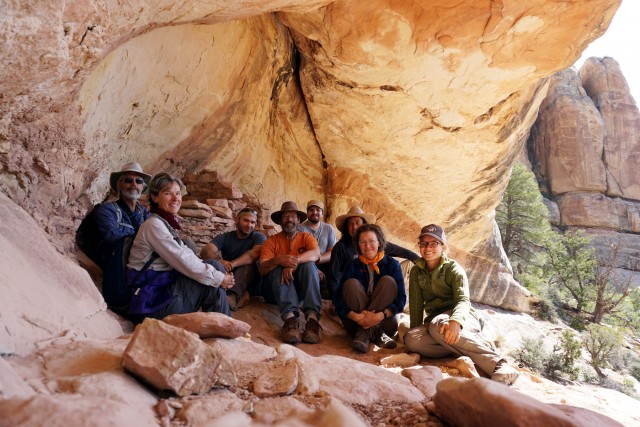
315	202
131	167
369	218
288	206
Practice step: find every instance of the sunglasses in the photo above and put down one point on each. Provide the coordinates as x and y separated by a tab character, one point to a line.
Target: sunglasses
431	245
245	210
129	180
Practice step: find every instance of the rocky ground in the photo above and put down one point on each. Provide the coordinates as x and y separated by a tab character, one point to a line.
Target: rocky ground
508	327
72	380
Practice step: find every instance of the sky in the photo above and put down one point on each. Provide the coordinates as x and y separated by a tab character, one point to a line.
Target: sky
621	42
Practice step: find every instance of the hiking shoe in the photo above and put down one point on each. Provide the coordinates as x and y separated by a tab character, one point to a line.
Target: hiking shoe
311	333
361	340
504	373
290	331
384	341
232	300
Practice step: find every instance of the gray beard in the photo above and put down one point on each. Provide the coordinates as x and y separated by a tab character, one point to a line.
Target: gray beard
130	195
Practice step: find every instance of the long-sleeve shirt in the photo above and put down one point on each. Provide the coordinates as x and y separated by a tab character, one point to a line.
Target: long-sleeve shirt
356	269
154	236
443	289
344	251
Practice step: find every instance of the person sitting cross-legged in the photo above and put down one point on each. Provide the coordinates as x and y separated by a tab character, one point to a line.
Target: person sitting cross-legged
371	292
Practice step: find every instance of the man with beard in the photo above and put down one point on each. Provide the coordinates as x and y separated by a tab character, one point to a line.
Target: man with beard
116	221
287	263
326	238
238	251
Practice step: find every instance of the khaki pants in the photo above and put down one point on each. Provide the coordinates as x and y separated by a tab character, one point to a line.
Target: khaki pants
427	341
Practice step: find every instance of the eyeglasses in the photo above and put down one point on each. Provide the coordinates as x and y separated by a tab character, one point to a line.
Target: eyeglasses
431	245
129	180
367	242
245	210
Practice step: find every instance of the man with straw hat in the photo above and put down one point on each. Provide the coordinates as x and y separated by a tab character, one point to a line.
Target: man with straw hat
287	263
116	221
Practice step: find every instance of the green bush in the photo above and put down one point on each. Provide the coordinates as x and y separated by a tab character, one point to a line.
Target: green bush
602	342
564	357
532	354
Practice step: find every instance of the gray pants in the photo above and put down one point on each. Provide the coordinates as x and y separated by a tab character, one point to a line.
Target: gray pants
427	341
383	294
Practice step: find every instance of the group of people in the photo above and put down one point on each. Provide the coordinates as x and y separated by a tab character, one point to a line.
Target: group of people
358	272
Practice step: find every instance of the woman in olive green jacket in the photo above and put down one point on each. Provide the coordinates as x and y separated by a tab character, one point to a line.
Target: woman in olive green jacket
442	319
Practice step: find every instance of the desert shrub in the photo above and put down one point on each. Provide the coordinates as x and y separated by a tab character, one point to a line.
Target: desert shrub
532	354
601	342
564	357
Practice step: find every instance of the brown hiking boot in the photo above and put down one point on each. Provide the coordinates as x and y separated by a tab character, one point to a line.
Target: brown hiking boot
311	333
361	340
290	331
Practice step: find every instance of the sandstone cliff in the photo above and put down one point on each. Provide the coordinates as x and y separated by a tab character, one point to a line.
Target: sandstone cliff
414	110
585	148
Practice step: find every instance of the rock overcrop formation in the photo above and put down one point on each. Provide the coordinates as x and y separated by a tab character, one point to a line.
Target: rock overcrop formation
415	111
584	148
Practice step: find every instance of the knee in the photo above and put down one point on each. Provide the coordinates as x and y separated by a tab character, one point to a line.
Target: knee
412	338
387	282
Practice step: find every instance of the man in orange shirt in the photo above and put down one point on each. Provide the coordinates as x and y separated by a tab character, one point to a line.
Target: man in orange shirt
287	262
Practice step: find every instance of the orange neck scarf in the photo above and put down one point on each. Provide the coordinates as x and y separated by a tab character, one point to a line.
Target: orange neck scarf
373	262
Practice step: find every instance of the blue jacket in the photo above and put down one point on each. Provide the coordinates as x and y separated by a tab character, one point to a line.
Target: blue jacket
107	220
356	269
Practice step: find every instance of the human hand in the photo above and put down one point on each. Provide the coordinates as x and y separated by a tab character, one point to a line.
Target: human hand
451	331
227	265
369	320
228	281
286	277
287	261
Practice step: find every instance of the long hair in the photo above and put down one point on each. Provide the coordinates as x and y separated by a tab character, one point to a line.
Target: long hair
376	229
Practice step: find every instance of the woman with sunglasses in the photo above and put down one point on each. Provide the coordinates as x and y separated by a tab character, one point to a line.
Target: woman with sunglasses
442	319
371	292
166	274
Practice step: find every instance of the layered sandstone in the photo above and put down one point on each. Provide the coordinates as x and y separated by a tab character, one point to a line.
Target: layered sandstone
413	110
586	147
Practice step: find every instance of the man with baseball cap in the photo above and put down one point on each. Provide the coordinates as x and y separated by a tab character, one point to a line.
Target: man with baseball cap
287	263
326	238
239	251
117	220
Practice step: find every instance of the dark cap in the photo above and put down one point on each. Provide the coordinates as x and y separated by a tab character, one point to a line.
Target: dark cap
433	230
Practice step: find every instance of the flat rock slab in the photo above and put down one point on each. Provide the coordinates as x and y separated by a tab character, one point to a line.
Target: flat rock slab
492	403
209	325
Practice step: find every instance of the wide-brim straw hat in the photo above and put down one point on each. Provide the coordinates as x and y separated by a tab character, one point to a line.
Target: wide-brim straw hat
369	218
133	168
288	206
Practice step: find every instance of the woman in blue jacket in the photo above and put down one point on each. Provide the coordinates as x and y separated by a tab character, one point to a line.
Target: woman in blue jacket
371	292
